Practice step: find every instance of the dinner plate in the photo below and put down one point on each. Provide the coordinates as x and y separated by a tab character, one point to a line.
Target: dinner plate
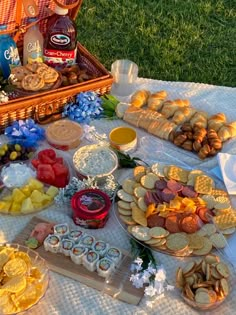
186	251
227	164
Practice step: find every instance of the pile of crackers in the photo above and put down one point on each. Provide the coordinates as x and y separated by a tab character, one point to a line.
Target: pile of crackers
189	216
204	283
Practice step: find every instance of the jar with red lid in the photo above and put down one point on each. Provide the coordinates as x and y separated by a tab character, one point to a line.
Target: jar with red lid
90	208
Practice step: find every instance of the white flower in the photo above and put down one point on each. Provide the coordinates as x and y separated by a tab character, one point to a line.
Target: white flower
151	269
136	280
138	261
150	291
159	286
146	276
160	275
169	287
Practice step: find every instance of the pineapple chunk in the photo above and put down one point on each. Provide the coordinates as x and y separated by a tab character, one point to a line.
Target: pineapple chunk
5	206
35	184
26	190
27	206
52	191
17	195
15	207
7	198
39	197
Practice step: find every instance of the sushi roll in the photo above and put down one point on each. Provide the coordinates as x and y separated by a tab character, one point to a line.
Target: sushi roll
87	241
52	243
114	254
100	247
90	260
105	267
75	235
66	246
77	253
61	229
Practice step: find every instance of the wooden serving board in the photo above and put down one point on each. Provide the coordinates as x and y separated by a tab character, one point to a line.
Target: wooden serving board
119	285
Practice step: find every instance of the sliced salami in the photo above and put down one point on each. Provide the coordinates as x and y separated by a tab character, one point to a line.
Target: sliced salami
190	223
188	191
155	220
167	195
205	215
159	194
148	198
156	198
160	184
174	186
172	223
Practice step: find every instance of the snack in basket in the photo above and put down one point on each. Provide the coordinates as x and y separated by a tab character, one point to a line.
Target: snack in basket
34	77
205	283
23	282
176	205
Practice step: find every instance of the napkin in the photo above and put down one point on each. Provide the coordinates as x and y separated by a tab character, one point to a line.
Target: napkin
227	163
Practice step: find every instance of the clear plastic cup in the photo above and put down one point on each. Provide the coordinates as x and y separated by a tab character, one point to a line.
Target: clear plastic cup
125	73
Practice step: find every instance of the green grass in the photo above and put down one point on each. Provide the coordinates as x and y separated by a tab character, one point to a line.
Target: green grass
173	40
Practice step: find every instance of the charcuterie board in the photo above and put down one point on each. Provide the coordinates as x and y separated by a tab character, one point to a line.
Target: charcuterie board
117	285
176	211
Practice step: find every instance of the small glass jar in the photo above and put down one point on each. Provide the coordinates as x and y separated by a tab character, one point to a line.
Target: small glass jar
90	208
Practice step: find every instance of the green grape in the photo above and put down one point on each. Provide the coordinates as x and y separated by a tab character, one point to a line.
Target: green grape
17	147
13	155
2	152
5	147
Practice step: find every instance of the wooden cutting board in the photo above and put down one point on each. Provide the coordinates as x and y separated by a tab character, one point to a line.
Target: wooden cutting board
119	285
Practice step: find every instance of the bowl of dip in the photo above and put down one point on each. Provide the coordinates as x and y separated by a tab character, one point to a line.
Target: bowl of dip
123	139
94	161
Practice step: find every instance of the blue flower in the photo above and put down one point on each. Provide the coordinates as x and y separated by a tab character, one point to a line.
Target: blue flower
86	106
25	132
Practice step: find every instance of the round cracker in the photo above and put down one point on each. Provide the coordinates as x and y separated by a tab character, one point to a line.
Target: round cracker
207	247
124	205
158	169
195	241
158	232
222	269
139	171
141	204
156	242
148	181
218	240
128	186
141	233
139	192
209	228
139	216
127	219
228	231
124	196
177	242
124	212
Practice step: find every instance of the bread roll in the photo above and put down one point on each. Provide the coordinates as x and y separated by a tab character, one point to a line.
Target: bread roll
155	100
227	131
183	115
216	121
199	119
139	98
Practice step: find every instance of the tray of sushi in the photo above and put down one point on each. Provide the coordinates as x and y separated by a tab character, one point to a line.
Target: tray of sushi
75	253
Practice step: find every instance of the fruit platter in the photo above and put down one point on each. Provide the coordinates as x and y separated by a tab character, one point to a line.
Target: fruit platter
31	186
176	211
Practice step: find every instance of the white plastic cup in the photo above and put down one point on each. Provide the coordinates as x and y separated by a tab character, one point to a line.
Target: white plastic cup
125	73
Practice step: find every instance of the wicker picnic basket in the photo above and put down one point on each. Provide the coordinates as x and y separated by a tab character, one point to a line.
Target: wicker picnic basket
45	107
